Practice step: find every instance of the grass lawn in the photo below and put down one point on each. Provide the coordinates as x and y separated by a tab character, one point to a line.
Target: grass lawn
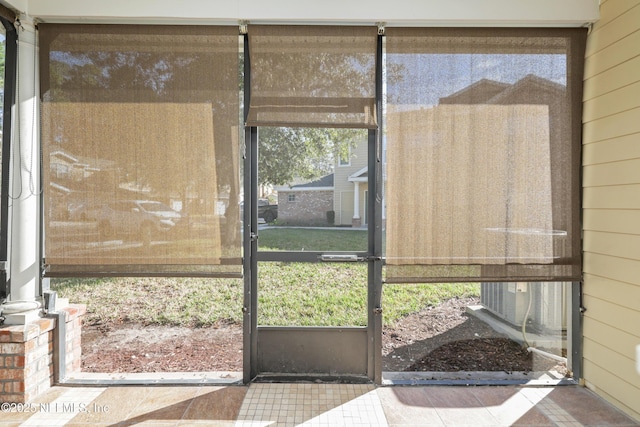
298	239
289	293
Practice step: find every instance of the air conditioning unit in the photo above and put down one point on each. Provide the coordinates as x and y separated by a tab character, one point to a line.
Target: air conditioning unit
542	305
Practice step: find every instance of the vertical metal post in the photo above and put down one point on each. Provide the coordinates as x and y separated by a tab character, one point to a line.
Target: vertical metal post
10	68
254	251
375	231
575	329
249	230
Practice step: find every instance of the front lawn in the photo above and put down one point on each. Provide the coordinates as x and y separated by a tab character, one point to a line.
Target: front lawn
289	293
311	239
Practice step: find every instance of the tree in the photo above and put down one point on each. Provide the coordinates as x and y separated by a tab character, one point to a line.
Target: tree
292	70
288	153
147	77
309	153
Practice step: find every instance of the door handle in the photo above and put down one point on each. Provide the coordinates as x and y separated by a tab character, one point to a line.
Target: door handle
340	258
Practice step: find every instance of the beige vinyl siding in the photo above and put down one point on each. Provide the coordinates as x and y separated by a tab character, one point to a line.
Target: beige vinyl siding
613	221
617	245
342	185
610	390
616	101
344	212
611	205
622	269
615	173
621	148
611	79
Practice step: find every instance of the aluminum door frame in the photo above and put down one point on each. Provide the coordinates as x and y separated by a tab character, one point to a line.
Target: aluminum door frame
316	352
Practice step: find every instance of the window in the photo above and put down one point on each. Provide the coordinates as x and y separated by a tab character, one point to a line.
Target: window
345	157
291	198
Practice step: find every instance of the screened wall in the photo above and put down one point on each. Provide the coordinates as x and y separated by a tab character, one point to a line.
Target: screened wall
140	149
483	154
140	142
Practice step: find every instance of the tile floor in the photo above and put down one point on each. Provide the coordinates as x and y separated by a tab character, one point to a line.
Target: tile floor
316	405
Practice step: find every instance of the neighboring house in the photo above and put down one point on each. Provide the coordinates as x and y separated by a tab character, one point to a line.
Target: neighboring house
68	177
350	185
306	204
344	192
73	175
62	165
530	89
78	173
350	193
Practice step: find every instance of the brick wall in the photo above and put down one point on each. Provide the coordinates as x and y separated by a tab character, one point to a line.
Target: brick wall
73	316
26	355
309	207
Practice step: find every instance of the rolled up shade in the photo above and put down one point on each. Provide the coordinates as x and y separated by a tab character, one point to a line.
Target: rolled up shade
483	154
7	14
312	76
140	150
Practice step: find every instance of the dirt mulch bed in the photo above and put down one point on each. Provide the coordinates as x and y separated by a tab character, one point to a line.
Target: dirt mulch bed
437	339
445	338
131	348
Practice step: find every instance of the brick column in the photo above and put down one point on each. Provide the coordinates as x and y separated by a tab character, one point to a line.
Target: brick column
73	344
26	355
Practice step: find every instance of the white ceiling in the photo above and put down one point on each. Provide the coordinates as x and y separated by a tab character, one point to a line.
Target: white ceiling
565	13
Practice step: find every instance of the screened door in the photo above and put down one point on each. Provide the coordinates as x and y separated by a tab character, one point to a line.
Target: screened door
312	127
312	274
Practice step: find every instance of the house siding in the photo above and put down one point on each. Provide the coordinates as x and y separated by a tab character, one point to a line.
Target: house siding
611	205
344	203
344	208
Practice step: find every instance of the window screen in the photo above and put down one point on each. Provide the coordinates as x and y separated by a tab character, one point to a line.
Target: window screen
140	149
483	154
312	76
